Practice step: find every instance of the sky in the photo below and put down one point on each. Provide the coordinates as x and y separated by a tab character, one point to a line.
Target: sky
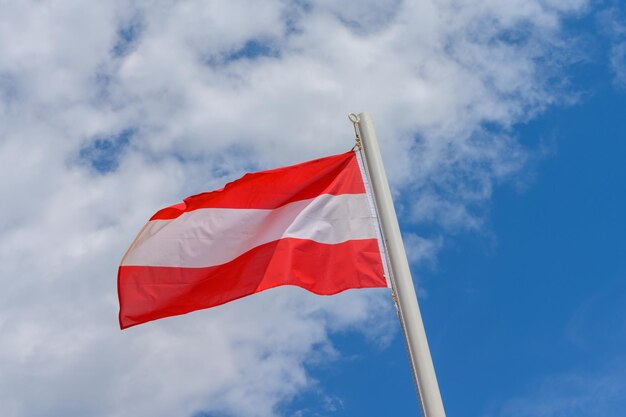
502	128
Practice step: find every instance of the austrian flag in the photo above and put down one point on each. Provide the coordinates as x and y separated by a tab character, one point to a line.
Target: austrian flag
312	225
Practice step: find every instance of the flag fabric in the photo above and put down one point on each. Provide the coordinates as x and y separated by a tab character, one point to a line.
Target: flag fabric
311	225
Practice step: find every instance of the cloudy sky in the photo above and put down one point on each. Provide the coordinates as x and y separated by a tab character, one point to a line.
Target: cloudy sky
502	126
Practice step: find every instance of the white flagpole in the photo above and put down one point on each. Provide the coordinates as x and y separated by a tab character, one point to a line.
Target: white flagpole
402	283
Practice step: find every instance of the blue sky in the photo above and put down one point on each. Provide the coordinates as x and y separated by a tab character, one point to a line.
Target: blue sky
502	127
543	296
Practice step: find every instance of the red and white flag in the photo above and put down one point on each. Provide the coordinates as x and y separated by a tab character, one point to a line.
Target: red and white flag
312	225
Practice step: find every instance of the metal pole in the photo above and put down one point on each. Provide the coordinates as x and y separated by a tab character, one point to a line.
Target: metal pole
402	283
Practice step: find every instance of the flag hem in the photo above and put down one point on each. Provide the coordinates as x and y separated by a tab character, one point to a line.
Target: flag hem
377	228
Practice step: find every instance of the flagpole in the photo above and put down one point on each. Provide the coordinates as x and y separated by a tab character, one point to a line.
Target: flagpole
402	283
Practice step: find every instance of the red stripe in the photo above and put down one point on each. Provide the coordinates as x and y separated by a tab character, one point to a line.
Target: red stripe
338	174
148	293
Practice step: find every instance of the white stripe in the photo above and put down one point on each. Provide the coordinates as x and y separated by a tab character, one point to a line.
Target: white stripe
213	236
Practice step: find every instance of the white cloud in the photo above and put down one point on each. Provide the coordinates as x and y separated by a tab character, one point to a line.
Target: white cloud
611	23
618	63
201	112
421	250
584	394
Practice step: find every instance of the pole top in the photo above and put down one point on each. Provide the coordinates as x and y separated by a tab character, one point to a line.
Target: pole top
355	119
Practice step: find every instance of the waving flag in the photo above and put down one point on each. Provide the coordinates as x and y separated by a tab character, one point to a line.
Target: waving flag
312	225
